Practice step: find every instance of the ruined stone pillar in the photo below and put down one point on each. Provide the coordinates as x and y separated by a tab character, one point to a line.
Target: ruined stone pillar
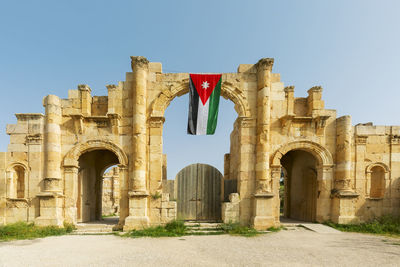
50	198
138	193
139	139
263	201
343	208
343	153
264	68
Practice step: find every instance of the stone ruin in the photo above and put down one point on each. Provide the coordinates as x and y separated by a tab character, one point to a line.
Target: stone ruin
329	169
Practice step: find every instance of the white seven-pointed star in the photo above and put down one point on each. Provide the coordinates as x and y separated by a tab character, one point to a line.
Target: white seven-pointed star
205	85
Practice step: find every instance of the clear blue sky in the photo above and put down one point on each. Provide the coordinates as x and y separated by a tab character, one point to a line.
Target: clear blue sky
351	48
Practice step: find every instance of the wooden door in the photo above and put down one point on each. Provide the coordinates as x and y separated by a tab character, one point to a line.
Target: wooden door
199	193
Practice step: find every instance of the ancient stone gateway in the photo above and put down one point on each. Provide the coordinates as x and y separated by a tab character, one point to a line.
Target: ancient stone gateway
332	170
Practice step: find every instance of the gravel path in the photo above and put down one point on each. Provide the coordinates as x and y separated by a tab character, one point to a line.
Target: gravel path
297	247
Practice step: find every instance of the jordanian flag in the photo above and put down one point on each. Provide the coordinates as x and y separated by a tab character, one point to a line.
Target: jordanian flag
204	92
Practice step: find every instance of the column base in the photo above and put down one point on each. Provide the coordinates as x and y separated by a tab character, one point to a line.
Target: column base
343	211
263	211
136	222
137	218
51	209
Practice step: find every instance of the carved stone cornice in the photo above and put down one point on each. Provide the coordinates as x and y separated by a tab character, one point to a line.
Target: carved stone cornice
34	139
361	139
29	116
265	64
139	62
244	122
156	122
289	89
111	86
315	89
84	87
395	139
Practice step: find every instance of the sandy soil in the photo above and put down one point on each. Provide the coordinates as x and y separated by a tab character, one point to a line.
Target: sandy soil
298	247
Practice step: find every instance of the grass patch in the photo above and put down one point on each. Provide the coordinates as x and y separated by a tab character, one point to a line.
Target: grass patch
178	228
237	229
385	225
109	215
171	229
23	230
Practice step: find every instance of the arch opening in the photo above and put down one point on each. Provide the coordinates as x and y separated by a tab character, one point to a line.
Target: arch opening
92	166
299	185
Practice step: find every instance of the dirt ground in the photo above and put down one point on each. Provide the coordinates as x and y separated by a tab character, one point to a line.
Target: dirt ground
299	247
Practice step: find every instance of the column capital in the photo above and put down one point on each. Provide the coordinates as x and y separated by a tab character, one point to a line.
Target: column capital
265	64
139	62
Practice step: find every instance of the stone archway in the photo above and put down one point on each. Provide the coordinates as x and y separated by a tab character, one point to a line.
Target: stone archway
324	175
244	128
71	175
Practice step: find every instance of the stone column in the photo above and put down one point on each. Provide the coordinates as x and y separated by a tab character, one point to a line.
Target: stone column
263	202
343	208
138	193
343	153
264	68
139	122
50	198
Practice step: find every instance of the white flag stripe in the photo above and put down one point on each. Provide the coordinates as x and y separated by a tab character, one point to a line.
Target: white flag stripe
202	117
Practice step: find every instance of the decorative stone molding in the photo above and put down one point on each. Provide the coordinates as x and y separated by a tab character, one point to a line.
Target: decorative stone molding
84	87
395	139
263	186
115	122
156	122
361	139
322	155
139	62
228	91
78	123
289	89
265	63
111	86
71	158
52	184
29	116
244	122
315	89
34	139
319	122
17	203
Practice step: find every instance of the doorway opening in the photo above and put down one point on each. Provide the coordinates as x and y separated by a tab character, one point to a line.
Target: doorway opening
95	180
298	186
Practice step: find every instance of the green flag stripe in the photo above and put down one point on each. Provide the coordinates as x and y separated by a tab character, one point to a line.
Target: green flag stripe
213	108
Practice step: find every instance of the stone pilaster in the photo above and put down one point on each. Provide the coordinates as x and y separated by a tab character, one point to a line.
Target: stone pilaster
71	193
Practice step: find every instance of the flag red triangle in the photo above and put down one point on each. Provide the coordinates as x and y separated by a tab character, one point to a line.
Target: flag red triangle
205	84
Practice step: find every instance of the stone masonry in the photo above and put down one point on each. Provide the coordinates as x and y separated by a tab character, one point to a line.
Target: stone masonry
332	170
